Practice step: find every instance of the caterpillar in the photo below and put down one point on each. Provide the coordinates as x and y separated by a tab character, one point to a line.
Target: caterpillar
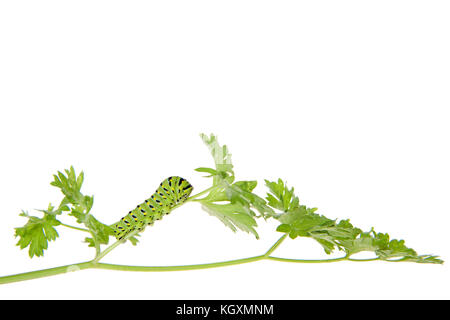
171	192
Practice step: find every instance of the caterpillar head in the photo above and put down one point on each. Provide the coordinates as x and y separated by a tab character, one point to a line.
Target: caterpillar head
184	189
179	186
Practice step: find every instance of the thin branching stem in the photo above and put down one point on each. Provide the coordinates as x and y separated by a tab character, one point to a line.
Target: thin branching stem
275	246
195	196
75	228
307	260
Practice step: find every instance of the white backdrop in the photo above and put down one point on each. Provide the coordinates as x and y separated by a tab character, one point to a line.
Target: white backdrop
346	100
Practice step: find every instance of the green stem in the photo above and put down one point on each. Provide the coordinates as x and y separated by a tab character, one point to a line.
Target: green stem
364	260
307	261
113	246
97	246
195	196
98	251
275	246
177	268
75	228
46	272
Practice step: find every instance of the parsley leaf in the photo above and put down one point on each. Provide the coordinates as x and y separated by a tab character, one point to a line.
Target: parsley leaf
233	215
299	221
79	206
233	203
281	197
222	160
70	186
100	232
37	232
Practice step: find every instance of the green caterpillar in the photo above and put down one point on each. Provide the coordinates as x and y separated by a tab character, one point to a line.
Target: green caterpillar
170	193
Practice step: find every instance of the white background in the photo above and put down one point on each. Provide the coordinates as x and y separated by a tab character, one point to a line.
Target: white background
346	100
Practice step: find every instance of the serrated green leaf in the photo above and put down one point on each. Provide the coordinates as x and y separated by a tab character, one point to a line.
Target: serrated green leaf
423	259
239	197
36	233
236	200
70	186
234	216
79	205
365	242
281	197
99	231
241	192
300	221
222	158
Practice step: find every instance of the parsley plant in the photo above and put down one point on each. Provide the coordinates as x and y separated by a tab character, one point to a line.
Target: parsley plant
231	201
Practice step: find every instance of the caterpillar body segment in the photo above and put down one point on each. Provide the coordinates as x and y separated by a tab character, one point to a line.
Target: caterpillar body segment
171	192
